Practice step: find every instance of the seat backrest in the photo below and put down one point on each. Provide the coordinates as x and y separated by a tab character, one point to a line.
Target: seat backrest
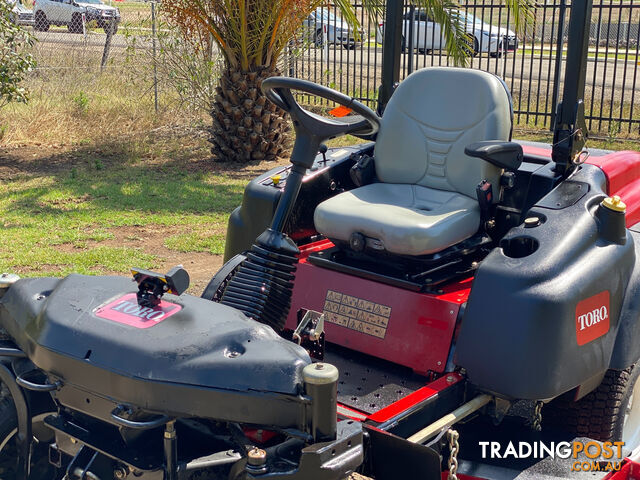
432	116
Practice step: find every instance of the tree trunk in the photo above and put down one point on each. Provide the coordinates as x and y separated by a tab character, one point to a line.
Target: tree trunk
245	125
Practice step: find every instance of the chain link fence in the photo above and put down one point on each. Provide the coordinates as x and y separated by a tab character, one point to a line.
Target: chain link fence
100	58
106	66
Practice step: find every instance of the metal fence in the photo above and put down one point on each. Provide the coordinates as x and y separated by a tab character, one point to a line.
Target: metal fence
84	68
90	78
528	64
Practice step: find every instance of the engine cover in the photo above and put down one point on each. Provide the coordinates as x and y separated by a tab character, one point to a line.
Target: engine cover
90	332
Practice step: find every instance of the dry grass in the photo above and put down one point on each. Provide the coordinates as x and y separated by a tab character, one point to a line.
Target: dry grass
74	102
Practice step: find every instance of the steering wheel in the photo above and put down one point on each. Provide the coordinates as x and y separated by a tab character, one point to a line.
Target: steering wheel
311	129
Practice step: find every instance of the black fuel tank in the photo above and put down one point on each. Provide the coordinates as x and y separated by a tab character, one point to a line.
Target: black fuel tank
543	312
197	343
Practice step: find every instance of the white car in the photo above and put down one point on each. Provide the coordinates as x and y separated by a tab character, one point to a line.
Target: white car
70	13
323	26
427	34
20	14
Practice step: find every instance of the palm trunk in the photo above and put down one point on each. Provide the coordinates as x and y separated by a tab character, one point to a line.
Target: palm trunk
245	125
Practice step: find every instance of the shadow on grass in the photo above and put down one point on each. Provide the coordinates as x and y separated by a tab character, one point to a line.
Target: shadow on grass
119	177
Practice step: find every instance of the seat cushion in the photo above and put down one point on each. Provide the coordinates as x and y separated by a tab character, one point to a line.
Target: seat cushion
430	119
407	219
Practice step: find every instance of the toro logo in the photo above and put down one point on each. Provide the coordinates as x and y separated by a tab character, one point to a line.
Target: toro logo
592	317
126	310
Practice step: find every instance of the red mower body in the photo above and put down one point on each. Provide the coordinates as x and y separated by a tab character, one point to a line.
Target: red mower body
523	302
412	329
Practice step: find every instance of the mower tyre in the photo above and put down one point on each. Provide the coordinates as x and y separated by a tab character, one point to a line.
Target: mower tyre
611	412
41	469
218	283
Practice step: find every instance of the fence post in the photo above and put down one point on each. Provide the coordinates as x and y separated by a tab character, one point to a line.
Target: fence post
155	62
409	42
107	44
84	28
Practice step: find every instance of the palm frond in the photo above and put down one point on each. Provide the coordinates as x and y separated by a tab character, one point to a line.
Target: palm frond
454	29
254	33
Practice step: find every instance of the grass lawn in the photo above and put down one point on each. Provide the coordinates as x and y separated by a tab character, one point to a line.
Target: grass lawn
149	198
153	201
630	56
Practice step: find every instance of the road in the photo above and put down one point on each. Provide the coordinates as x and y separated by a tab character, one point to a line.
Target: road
534	67
92	39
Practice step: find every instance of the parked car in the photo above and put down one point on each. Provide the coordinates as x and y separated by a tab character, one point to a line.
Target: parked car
20	14
70	12
428	35
323	26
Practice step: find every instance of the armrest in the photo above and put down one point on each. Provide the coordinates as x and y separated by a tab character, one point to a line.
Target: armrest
507	155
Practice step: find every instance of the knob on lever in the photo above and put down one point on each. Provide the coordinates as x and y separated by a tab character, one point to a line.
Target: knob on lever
323	150
152	286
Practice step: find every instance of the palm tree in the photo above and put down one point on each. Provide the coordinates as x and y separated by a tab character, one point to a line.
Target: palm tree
252	35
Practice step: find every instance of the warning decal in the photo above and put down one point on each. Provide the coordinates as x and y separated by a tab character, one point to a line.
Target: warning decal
356	314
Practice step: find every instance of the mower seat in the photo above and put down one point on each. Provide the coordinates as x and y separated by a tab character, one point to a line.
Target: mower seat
426	198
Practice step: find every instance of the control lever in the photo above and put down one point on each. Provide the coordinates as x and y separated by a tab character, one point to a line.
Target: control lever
152	286
309	333
323	150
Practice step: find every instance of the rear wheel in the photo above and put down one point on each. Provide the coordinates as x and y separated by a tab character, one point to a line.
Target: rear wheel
472	45
318	38
41	24
43	436
498	53
609	413
76	24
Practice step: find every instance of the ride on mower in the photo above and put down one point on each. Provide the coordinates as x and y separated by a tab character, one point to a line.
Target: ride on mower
374	299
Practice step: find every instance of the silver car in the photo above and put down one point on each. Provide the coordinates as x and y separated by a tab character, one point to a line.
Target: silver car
323	26
20	14
428	35
74	13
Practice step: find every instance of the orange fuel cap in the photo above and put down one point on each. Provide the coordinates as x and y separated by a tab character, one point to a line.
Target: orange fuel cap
614	203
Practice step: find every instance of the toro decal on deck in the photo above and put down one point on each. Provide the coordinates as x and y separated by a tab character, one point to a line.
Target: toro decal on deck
592	317
126	310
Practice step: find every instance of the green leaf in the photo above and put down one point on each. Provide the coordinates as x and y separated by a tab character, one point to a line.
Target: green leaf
15	60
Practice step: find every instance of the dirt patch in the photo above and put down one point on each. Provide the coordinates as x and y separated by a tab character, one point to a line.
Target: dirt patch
23	270
16	160
185	148
150	239
200	265
65	204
